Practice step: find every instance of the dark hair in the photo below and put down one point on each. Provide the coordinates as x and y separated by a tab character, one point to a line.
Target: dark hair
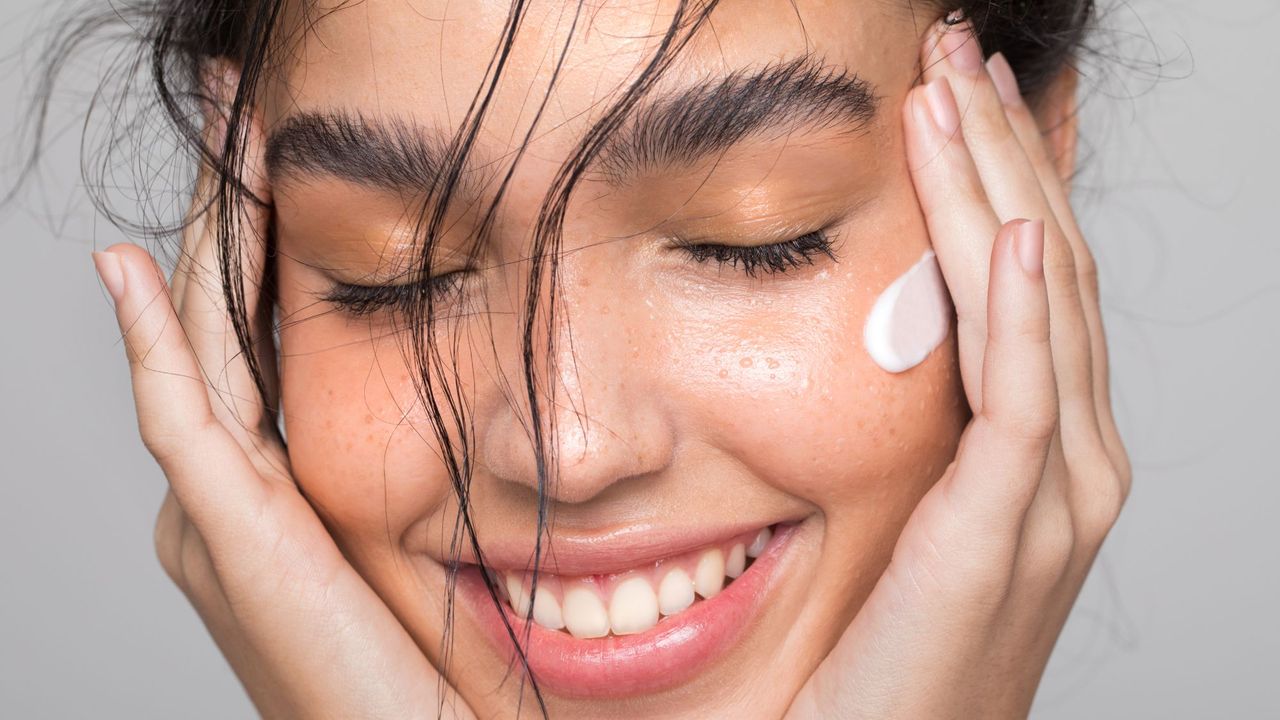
161	66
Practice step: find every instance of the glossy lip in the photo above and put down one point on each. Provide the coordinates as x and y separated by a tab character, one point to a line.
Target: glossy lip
669	654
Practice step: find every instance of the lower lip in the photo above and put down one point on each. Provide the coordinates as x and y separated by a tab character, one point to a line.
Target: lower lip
669	654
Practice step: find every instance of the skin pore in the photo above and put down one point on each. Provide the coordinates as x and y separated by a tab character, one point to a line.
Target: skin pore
688	394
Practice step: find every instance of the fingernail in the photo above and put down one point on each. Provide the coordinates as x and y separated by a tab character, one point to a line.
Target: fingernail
942	105
960	46
1005	81
1029	243
955	17
109	271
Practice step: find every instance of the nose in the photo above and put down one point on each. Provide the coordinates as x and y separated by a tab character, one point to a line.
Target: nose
602	417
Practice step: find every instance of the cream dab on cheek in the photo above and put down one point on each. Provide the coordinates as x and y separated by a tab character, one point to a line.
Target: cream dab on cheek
910	318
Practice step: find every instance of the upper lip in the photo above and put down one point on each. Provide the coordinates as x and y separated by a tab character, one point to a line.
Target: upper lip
602	553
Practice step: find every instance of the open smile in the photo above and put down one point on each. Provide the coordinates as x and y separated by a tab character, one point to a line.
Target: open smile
634	629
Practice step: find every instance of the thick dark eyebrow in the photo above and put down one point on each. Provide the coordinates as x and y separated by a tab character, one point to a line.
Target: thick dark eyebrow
708	117
672	129
385	153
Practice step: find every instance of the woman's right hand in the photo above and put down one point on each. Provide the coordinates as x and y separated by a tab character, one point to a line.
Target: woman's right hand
301	628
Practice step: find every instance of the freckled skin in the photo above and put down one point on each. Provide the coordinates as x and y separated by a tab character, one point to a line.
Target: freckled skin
707	394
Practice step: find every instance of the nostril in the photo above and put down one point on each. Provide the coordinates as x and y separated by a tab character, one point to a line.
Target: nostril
597	432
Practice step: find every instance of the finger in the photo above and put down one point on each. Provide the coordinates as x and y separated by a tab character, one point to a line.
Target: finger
1014	189
212	271
168	534
194	227
1048	169
208	473
959	217
1048	541
1000	466
1007	174
215	79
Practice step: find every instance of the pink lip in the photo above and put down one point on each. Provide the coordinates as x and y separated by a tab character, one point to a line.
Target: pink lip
613	667
605	553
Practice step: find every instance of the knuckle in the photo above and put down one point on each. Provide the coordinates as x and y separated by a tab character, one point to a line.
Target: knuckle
195	567
992	127
1018	328
161	443
1087	271
1116	459
953	169
1027	128
1100	507
1019	334
1030	420
169	439
1050	547
969	184
1060	264
1124	476
1032	328
971	323
960	172
169	553
1020	113
1097	502
1037	425
170	533
980	567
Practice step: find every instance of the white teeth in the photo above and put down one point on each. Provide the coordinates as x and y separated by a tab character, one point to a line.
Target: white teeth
516	595
584	614
708	577
737	561
675	592
546	611
757	545
633	608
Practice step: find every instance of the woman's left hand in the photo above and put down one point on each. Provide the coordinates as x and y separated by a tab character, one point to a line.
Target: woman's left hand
989	565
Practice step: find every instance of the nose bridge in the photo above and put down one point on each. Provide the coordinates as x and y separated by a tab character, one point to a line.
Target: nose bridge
601	418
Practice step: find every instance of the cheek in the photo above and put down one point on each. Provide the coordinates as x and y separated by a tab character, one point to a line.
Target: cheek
783	383
360	447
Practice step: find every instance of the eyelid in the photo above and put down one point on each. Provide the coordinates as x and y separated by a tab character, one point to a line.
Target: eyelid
771	258
754	233
740	238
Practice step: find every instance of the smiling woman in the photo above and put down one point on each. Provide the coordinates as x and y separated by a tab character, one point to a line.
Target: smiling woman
562	309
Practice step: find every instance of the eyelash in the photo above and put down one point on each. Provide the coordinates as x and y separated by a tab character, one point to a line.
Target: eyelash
772	259
360	300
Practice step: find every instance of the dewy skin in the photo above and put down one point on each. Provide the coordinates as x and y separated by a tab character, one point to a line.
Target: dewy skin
911	317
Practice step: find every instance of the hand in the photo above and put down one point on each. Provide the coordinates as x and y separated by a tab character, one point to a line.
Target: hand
988	566
302	630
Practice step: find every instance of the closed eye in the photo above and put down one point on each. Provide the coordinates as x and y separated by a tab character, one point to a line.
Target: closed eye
361	300
751	260
774	258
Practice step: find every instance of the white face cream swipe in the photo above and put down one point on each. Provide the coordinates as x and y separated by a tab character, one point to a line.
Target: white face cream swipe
910	318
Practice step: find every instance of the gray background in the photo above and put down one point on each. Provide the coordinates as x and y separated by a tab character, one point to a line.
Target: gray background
1178	620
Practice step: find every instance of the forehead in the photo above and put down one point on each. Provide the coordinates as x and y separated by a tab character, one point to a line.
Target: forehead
425	60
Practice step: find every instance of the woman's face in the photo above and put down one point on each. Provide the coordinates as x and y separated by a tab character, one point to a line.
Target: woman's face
690	403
